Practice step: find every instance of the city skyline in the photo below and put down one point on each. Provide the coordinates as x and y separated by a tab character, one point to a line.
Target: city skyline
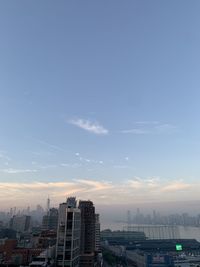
99	100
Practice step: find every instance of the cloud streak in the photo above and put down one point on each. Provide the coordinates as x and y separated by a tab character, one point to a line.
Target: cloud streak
135	131
151	127
89	126
16	171
4	156
101	192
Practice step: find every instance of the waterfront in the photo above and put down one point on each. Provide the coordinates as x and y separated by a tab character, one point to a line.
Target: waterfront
184	232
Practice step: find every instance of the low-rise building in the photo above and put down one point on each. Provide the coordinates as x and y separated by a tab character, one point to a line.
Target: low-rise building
121	237
143	259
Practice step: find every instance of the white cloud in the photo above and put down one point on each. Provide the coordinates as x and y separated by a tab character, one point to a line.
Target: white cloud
136	184
4	156
165	128
51	146
151	127
135	131
15	171
176	186
93	127
48	166
147	122
17	193
88	160
120	166
71	165
64	164
102	192
155	186
92	185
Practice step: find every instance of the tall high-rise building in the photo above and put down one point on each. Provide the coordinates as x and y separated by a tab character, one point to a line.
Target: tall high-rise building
50	220
87	248
68	234
97	233
20	223
48	205
71	202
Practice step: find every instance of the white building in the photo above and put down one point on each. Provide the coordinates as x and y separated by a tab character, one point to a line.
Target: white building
68	234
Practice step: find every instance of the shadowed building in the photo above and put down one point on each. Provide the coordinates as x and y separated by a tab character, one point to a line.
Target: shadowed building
97	233
121	237
87	248
20	223
50	220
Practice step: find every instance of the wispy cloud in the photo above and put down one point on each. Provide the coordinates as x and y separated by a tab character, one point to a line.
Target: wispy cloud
136	183
94	185
47	166
135	131
120	166
156	185
51	146
4	156
151	127
104	192
176	186
16	171
92	127
147	122
71	165
166	128
88	160
16	193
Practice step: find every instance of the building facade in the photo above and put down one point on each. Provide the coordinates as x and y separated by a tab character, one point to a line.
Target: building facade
97	233
87	247
20	223
50	220
68	234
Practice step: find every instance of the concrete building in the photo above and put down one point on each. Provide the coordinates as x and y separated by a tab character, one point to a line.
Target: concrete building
87	248
68	234
47	239
45	259
12	255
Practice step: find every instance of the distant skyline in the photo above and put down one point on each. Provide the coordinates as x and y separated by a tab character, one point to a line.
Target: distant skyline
99	100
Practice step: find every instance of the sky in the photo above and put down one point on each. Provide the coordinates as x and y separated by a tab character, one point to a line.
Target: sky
99	99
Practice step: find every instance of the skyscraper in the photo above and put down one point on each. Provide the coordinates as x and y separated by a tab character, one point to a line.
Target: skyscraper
50	220
97	233
20	223
68	234
87	248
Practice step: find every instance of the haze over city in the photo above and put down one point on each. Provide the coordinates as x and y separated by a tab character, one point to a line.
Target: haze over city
100	100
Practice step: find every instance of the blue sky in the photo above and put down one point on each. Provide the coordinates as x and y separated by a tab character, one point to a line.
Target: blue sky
103	95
